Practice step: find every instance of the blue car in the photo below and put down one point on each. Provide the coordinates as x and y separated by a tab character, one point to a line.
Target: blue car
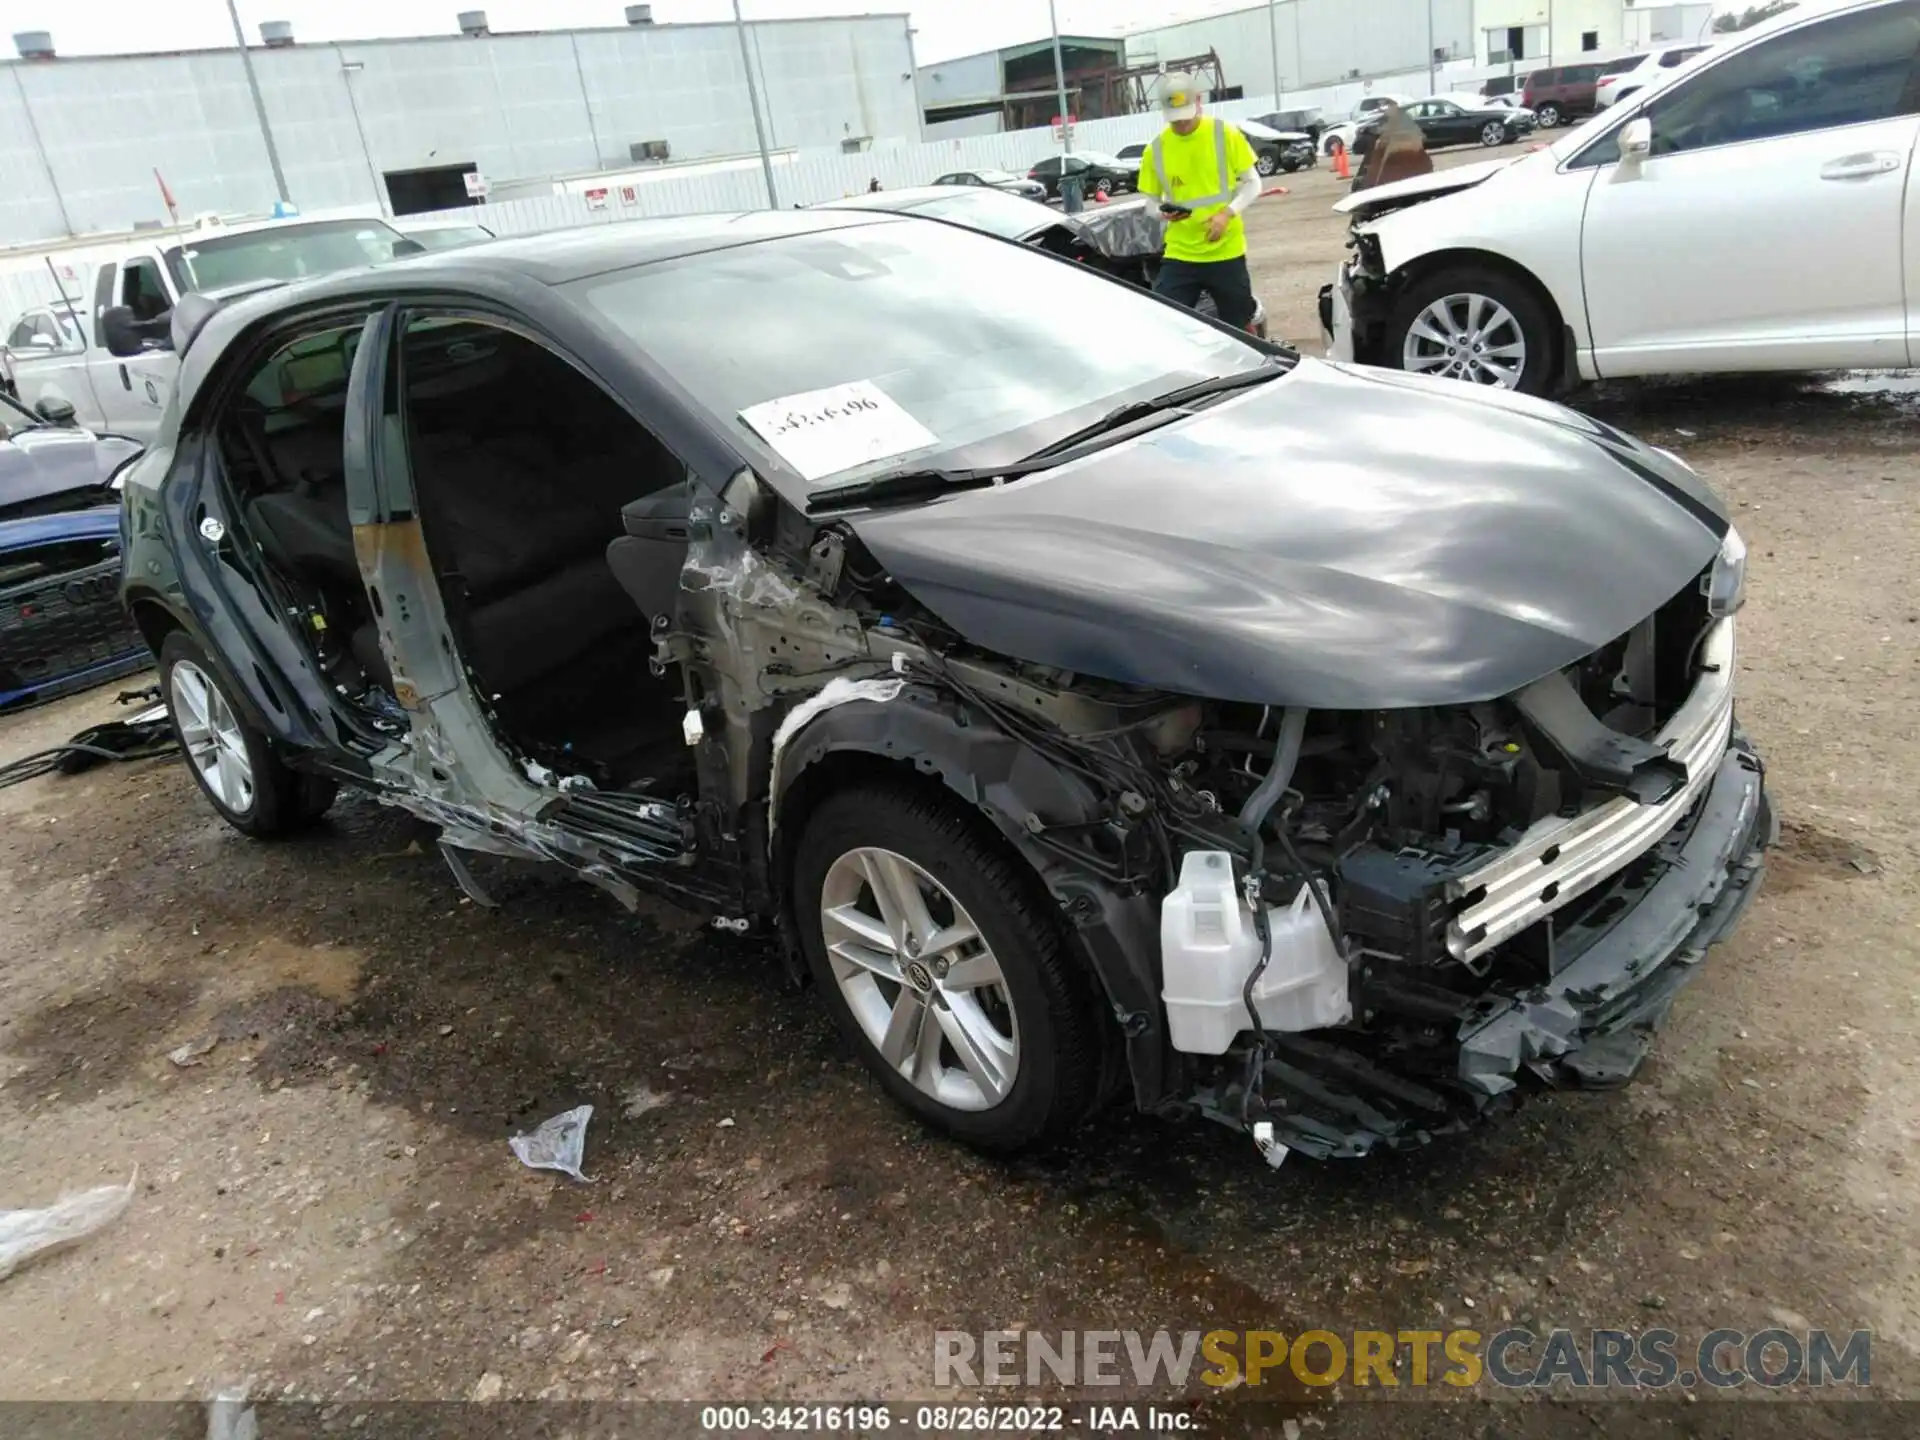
62	627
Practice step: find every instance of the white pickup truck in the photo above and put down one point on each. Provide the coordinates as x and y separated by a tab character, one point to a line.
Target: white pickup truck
109	354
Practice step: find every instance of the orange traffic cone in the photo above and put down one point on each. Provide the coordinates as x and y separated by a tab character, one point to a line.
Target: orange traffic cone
1341	169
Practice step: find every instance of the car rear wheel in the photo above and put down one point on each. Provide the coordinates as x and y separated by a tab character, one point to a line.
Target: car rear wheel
944	970
232	762
1551	117
1473	325
1493	133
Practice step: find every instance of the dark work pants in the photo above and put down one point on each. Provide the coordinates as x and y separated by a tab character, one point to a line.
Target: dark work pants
1227	281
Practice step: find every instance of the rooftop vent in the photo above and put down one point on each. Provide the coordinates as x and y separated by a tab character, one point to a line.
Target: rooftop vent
34	45
276	34
473	22
639	14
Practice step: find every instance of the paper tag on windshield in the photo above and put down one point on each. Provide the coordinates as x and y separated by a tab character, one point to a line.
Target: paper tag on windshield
823	432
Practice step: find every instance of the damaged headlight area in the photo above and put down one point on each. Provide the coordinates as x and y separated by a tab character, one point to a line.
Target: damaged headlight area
1726	582
1377	927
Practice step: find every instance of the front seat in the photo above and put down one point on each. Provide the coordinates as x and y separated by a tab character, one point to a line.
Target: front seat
647	560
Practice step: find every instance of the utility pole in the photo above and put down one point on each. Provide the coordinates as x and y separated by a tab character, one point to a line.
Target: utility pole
259	105
1060	81
753	101
1433	84
1273	44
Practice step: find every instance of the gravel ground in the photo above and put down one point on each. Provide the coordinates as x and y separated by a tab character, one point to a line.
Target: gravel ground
326	1204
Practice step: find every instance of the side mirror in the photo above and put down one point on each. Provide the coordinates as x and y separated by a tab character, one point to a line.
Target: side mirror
126	337
40	342
1636	140
404	246
54	410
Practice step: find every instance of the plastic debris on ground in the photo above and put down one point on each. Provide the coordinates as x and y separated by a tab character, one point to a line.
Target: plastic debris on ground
559	1144
191	1052
25	1234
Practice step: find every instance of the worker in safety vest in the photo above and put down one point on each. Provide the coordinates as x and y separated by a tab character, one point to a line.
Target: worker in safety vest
1203	171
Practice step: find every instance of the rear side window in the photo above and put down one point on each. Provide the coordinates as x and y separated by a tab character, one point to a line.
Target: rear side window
1582	75
1674	57
1619	67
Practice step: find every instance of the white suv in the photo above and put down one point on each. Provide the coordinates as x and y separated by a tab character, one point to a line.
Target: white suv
1751	213
1651	71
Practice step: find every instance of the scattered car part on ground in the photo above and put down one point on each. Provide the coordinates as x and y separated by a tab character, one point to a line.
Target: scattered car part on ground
942	682
1534	273
61	625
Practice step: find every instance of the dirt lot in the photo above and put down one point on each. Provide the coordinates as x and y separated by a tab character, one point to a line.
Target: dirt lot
327	1205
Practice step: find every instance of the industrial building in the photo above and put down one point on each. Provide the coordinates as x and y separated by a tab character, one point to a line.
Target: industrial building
105	143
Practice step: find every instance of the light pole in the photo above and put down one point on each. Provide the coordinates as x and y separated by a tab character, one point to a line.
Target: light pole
753	101
1273	44
1432	82
1060	81
259	105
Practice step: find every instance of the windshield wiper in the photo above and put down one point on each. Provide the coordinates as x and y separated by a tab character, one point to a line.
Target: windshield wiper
1159	404
916	485
921	484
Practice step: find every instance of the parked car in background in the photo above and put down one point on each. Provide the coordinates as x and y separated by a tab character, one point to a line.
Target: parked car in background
1094	169
996	180
1309	120
1562	93
1132	154
446	237
1020	676
1342	134
1780	159
1447	120
120	379
45	333
1650	70
1509	103
1275	151
61	624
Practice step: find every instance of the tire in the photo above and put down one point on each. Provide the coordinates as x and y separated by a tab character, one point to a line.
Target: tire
1494	133
1265	163
1550	116
1049	1079
251	787
1525	310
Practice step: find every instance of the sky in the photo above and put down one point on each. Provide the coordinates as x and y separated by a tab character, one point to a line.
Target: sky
943	28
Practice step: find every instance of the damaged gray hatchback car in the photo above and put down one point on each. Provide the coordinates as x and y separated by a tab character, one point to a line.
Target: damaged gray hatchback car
1325	751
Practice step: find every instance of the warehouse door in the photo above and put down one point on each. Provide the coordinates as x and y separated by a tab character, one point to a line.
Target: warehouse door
433	187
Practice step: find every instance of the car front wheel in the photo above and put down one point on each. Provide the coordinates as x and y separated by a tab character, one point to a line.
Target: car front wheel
231	761
944	969
1265	163
1494	133
1473	325
1550	117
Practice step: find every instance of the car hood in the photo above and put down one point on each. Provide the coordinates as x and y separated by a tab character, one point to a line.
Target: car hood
1423	187
39	465
1337	538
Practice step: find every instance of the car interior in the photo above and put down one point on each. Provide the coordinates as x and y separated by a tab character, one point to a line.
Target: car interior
555	524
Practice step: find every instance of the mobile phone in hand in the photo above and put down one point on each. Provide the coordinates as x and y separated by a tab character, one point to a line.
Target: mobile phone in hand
1175	212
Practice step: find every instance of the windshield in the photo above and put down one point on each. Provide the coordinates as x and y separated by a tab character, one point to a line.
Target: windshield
1008	216
291	252
967	351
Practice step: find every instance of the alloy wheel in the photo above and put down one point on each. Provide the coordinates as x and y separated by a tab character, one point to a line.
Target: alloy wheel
920	980
1263	162
1550	116
211	735
1493	133
1466	337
